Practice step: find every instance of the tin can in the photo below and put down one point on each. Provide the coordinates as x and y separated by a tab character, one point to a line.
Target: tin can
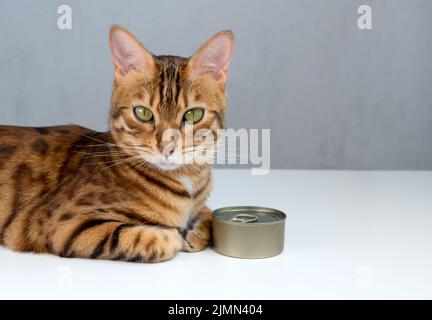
248	232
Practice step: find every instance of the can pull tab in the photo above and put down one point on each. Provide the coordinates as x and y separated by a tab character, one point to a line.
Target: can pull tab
244	218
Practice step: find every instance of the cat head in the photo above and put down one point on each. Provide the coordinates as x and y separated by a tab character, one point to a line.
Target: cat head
162	105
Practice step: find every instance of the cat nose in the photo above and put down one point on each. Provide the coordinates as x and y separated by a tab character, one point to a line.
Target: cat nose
166	148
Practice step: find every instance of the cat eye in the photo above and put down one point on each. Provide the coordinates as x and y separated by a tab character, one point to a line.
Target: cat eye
143	114
193	115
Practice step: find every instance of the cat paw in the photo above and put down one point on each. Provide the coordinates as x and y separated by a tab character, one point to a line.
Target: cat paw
197	237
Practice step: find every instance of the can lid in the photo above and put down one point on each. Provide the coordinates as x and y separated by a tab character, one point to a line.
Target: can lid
249	215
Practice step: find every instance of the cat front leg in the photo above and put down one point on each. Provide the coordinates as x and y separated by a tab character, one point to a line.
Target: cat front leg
196	237
114	240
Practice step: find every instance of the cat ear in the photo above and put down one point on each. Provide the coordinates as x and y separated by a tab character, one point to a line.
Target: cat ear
214	56
128	53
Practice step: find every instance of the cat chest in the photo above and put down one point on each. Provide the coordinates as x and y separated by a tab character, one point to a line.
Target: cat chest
188	185
173	204
189	201
193	189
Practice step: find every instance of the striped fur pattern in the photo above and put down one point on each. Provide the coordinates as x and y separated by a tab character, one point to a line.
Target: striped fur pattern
74	192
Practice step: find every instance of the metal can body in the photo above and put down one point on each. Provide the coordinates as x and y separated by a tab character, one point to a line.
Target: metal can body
248	232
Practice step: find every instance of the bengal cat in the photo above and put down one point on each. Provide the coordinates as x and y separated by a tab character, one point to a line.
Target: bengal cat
121	194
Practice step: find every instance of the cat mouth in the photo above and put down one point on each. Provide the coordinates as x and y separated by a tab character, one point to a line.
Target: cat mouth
164	164
167	166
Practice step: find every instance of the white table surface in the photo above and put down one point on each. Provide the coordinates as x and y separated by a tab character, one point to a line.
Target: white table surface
364	235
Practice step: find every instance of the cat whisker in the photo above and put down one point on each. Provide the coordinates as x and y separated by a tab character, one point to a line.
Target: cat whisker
100	153
92	138
104	156
121	162
105	143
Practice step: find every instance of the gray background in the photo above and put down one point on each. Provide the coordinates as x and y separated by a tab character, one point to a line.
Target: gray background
334	96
